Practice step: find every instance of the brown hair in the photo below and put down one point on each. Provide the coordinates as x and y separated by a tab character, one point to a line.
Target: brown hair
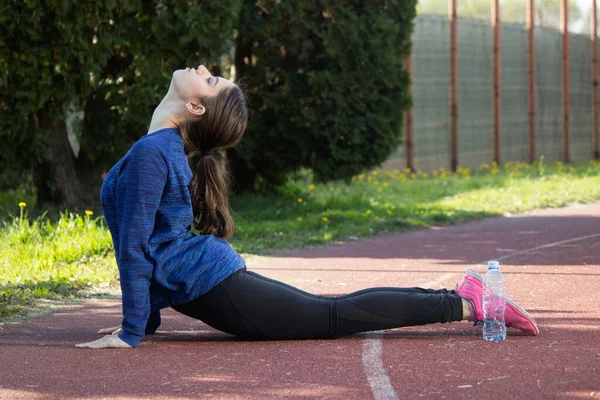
220	127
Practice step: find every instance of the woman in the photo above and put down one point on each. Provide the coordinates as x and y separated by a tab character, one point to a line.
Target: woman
150	206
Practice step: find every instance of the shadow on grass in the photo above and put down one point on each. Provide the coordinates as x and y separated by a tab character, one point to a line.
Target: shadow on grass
302	216
267	225
14	298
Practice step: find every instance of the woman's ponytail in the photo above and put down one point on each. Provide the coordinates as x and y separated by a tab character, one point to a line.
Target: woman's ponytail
210	195
221	127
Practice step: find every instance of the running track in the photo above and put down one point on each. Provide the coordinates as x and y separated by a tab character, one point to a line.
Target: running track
551	260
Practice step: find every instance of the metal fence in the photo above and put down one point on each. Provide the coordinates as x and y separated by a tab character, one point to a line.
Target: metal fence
427	139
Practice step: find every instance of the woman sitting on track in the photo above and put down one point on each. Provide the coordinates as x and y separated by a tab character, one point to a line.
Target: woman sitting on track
150	200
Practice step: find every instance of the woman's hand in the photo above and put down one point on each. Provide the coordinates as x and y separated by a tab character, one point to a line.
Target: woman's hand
111	331
108	341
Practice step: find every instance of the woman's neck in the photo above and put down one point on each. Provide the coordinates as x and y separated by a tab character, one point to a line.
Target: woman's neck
167	114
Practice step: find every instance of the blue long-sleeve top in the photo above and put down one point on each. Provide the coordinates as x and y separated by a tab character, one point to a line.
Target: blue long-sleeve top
148	209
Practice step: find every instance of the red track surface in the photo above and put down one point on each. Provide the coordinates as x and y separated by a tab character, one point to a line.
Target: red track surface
188	360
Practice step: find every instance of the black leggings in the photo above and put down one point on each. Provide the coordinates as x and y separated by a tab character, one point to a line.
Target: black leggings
249	305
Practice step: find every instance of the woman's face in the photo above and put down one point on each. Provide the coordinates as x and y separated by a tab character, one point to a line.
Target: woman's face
193	84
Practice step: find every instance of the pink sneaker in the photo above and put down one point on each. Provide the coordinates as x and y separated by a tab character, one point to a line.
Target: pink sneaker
515	316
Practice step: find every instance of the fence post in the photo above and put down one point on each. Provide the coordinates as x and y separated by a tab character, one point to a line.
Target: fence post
495	16
531	76
453	87
408	140
564	28
594	38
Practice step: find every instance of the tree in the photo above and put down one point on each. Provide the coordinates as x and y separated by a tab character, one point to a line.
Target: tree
50	49
79	81
327	86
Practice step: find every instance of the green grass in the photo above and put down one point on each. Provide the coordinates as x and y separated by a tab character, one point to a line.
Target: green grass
41	259
395	201
58	257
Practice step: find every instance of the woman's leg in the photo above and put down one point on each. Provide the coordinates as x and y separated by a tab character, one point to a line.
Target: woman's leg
248	304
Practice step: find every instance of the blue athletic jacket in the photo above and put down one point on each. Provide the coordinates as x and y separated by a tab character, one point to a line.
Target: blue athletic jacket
147	206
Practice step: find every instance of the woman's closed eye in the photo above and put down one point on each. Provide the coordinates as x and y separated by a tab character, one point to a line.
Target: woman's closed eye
212	81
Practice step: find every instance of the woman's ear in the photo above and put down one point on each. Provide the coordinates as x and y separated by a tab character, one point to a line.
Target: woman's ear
195	109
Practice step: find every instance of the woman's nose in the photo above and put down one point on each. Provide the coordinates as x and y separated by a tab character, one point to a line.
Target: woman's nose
202	69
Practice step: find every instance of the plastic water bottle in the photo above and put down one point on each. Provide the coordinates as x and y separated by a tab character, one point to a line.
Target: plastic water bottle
494	304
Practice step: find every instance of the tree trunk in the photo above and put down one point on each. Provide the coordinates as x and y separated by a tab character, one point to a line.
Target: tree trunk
57	181
244	177
90	180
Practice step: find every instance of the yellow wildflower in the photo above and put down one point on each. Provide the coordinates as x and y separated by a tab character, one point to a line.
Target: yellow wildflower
311	187
300	200
299	219
389	212
325	219
22	204
89	212
386	184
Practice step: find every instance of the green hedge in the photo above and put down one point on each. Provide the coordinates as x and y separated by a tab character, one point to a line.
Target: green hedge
325	80
110	62
328	88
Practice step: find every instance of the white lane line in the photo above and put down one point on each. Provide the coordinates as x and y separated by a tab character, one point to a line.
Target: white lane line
378	379
545	246
439	280
377	376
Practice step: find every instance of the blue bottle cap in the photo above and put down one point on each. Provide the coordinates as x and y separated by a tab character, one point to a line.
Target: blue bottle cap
493	265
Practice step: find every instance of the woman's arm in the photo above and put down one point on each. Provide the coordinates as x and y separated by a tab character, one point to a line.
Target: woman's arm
154	321
139	189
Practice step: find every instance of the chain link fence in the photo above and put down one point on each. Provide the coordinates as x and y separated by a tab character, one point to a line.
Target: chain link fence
431	107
